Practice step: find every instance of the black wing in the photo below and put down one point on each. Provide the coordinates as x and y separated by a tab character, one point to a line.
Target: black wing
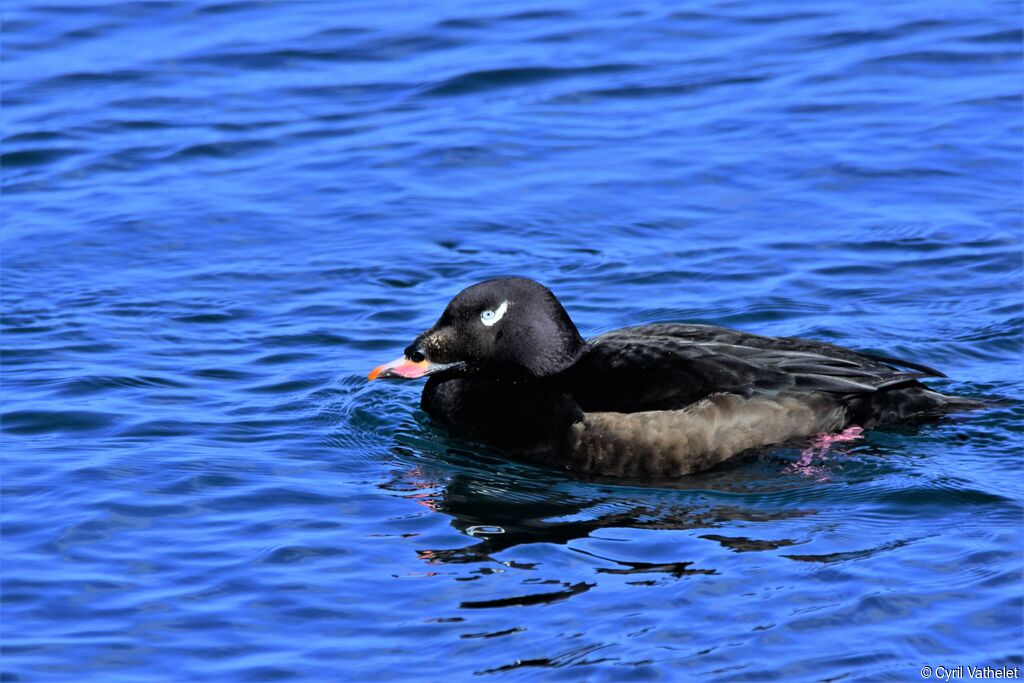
669	366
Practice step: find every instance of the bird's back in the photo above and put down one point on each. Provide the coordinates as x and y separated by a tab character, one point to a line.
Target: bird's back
673	365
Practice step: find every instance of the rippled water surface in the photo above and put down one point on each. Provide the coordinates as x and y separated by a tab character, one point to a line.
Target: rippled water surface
219	215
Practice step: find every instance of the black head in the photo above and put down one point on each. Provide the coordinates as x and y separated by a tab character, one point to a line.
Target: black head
509	327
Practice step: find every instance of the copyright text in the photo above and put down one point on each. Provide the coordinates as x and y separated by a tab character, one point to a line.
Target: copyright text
951	673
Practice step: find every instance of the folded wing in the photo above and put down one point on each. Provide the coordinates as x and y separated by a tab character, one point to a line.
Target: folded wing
671	366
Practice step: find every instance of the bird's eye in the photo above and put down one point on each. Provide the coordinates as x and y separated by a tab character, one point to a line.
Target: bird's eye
491	316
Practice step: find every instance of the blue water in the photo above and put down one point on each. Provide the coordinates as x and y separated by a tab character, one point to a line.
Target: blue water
218	216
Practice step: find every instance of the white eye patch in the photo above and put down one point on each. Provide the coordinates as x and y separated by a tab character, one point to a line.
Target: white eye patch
489	317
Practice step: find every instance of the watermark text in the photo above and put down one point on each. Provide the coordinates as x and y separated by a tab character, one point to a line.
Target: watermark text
953	673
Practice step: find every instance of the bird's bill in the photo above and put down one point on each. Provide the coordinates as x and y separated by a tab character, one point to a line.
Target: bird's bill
400	368
403	368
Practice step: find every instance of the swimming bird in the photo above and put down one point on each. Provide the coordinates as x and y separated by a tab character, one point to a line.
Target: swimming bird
507	366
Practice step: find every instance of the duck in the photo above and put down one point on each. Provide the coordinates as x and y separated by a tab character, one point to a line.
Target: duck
506	366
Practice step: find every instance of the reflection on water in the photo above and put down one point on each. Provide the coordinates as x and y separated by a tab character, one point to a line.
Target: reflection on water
536	506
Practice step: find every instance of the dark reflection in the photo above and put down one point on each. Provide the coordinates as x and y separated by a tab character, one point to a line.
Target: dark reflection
493	634
532	598
745	545
574	657
831	558
676	569
502	505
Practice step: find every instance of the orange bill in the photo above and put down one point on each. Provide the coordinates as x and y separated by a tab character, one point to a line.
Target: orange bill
400	368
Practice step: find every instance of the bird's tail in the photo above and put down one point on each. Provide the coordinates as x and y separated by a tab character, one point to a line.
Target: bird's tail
903	402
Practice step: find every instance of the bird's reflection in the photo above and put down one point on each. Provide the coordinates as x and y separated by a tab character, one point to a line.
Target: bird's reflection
517	505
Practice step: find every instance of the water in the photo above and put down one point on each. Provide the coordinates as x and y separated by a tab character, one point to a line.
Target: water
218	216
